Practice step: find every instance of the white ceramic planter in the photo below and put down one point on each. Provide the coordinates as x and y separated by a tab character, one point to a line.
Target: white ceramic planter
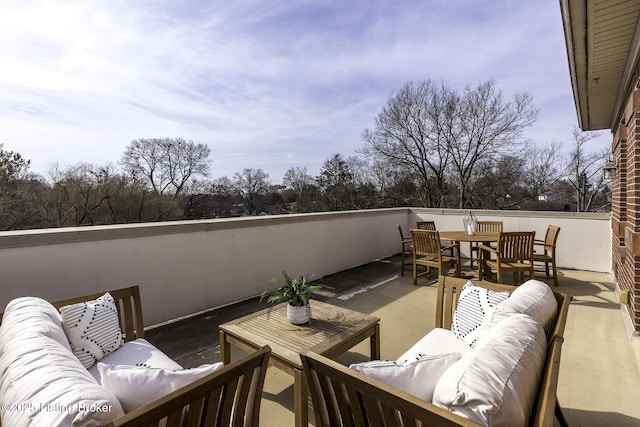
298	315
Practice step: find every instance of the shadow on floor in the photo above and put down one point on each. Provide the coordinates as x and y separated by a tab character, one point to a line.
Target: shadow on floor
579	417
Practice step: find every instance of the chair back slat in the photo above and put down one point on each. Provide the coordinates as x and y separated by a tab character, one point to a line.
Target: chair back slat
516	246
490	226
426	243
426	225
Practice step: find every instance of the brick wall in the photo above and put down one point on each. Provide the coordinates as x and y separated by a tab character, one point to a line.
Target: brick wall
625	205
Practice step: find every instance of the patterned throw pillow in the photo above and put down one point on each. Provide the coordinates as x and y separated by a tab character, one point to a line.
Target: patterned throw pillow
93	328
474	304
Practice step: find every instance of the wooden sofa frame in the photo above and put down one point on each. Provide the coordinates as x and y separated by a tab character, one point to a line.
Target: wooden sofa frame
342	396
230	396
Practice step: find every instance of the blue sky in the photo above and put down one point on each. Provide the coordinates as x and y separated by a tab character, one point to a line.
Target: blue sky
265	84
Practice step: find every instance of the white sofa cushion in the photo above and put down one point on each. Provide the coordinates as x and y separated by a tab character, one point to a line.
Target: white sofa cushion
41	382
475	303
417	376
495	384
534	298
37	316
136	386
437	341
138	352
93	328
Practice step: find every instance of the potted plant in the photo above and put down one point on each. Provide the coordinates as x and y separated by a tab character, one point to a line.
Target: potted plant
297	292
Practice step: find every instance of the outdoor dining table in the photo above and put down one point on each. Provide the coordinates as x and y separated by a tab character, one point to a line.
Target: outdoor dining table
461	236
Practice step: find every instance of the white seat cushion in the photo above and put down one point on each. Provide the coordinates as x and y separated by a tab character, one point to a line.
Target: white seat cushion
495	384
42	383
416	376
138	352
438	341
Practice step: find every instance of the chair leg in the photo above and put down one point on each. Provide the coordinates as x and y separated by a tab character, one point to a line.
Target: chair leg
402	264
415	274
555	272
560	416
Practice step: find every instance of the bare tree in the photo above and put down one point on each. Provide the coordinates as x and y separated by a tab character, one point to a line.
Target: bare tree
251	184
411	132
485	128
543	167
335	182
297	179
167	164
584	169
435	132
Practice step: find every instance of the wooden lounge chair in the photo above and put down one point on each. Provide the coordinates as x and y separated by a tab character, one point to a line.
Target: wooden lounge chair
229	396
342	396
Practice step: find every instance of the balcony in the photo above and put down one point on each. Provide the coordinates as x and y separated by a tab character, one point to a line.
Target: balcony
216	268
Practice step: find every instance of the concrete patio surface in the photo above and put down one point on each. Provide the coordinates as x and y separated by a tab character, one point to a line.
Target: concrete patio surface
599	382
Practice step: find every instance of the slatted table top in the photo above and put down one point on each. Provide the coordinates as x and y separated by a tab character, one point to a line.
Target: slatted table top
331	331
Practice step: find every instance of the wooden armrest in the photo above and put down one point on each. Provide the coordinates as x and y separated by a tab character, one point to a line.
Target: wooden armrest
487	248
451	246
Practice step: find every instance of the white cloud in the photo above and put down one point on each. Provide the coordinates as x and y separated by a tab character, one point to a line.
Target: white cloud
266	84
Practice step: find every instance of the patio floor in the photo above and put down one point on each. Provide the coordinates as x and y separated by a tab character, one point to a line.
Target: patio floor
599	382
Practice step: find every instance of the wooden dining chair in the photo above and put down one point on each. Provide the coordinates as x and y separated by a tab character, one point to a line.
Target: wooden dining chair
428	252
484	227
513	254
548	255
406	251
426	225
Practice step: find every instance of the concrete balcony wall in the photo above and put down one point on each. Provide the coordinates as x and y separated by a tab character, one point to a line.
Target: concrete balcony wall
187	266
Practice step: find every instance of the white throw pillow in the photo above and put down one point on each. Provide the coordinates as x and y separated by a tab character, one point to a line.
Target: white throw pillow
135	386
474	304
417	377
534	298
495	384
138	352
93	328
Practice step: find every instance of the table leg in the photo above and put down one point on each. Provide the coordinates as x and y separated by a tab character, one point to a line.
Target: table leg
225	349
375	343
300	399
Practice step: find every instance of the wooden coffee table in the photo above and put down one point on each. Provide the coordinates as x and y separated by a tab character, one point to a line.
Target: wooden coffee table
332	331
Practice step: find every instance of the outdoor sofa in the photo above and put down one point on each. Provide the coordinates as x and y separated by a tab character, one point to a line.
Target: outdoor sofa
508	378
49	376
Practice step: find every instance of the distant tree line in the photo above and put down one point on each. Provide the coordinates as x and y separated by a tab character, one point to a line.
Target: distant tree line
430	146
